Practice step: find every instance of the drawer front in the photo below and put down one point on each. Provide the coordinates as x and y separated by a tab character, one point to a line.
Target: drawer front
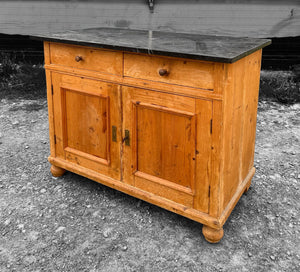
170	70
86	58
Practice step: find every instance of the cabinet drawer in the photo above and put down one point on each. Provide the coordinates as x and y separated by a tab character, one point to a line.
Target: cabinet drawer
86	58
177	71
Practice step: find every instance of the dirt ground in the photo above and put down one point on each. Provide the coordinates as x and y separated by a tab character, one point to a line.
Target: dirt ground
74	224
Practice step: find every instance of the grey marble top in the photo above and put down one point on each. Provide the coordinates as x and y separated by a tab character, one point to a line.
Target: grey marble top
192	46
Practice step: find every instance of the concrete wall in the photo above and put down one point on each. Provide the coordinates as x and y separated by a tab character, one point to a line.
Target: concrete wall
256	18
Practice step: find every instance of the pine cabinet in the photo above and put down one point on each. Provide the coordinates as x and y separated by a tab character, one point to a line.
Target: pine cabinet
174	128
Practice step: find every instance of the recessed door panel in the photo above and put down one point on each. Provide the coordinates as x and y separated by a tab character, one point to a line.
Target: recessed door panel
166	145
86	118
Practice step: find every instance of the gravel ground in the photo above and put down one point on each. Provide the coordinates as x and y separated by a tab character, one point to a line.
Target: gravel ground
74	224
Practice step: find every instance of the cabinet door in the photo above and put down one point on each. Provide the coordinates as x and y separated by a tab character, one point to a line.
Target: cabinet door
87	123
167	145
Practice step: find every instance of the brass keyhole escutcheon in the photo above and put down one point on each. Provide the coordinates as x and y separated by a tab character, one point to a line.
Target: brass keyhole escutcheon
114	133
127	138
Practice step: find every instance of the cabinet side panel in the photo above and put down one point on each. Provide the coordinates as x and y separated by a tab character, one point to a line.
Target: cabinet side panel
250	111
223	78
46	52
233	128
240	124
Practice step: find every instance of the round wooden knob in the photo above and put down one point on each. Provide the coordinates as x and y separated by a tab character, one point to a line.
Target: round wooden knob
163	72
78	58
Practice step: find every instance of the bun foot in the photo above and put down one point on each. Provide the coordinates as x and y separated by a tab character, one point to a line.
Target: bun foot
212	235
57	171
247	188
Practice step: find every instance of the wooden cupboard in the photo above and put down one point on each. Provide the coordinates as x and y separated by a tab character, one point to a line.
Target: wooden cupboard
173	131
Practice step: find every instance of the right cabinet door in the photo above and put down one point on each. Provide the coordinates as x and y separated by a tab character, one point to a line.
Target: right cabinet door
167	145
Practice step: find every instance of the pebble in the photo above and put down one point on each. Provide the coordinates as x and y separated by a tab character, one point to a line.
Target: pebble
95	213
272	258
250	254
29	260
106	233
124	248
15	122
61	228
21	226
278	176
43	191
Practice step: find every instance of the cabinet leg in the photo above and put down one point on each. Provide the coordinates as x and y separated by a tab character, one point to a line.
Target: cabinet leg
212	235
57	171
247	188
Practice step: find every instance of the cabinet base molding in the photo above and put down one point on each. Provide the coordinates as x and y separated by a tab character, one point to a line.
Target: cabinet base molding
190	213
212	227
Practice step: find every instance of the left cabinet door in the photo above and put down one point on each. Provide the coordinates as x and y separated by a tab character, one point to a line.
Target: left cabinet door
87	123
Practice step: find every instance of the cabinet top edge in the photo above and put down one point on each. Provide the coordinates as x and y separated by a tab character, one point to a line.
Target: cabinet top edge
191	46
